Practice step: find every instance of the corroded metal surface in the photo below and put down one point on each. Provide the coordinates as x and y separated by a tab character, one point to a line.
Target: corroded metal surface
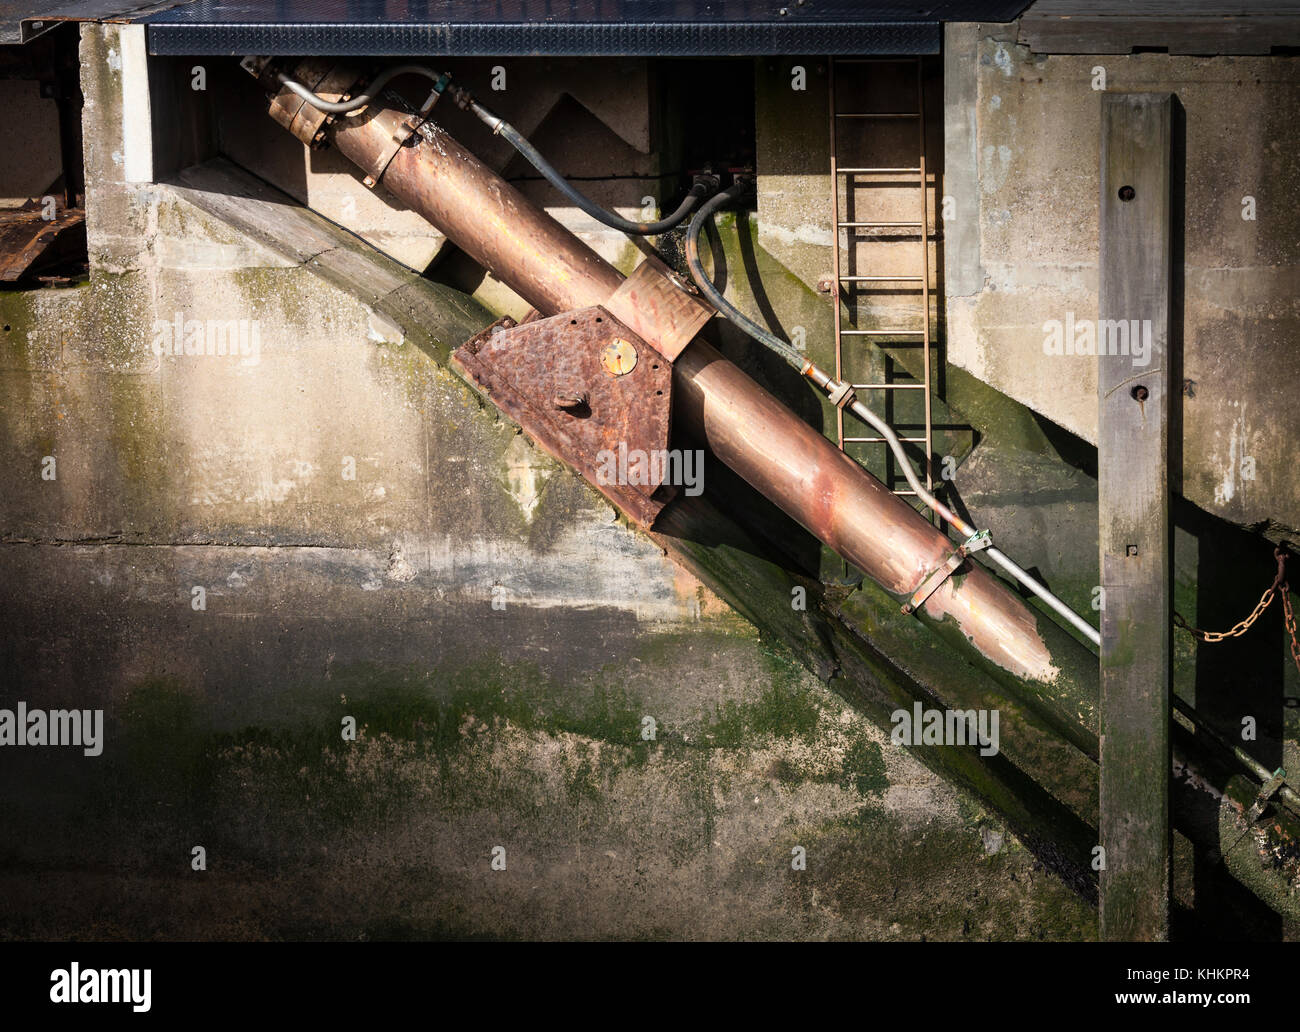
26	237
655	306
611	426
822	488
325	77
481	213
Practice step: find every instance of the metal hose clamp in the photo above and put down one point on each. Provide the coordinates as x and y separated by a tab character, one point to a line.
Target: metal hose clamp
930	584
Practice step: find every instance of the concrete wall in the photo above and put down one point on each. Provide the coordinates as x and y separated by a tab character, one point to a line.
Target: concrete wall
1022	169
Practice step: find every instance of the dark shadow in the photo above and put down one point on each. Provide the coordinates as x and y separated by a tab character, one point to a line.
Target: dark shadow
778	375
1177	256
1238	678
1242	676
1070	448
1223	908
452	267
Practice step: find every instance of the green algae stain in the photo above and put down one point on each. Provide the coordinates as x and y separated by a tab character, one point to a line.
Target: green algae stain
864	767
780	711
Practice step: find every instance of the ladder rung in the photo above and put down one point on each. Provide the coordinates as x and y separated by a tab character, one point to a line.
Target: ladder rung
912	493
888	386
882	279
880	333
877	114
874	60
913	225
849	171
881	440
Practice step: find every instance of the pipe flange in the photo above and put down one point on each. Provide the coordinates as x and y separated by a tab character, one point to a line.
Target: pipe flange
409	126
842	395
332	81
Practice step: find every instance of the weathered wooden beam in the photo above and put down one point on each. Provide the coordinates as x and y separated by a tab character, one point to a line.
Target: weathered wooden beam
1132	339
1176	26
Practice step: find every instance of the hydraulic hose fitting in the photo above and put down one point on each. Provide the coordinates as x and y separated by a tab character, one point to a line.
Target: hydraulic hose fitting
704	184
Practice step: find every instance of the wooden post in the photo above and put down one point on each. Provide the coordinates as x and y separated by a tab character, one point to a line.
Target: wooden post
1133	382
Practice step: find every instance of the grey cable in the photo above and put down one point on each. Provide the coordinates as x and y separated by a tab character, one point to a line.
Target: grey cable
831	386
699	189
342	107
770	340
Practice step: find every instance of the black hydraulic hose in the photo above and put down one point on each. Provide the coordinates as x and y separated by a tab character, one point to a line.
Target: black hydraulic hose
440	80
699	189
733	314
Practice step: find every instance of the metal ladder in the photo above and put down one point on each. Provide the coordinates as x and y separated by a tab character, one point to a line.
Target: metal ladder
922	280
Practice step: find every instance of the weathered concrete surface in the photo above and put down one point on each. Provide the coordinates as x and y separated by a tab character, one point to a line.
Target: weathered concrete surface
1032	193
794	181
605	835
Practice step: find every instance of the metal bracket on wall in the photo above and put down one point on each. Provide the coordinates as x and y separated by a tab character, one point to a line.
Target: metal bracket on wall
590	392
410	125
324	76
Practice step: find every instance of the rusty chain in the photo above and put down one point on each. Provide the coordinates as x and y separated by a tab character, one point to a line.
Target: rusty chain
1278	587
1289	616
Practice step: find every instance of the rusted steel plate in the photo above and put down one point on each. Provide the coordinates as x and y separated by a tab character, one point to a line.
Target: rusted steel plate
590	392
658	309
25	237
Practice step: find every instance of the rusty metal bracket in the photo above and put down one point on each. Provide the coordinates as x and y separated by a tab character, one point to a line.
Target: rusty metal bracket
1266	793
930	584
410	125
333	81
591	392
